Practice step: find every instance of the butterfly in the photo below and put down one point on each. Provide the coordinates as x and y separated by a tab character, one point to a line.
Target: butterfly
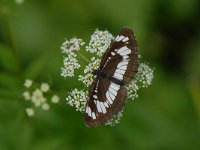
108	94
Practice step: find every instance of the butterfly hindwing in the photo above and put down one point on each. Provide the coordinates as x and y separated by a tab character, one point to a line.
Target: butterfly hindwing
105	100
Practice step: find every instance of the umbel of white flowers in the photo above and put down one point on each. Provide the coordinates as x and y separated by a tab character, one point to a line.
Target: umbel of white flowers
100	41
38	97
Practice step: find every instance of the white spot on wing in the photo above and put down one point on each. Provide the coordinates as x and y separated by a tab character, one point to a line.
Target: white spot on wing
106	104
93	115
103	108
114	86
120	71
108	98
122	63
112	96
118	76
122	49
125	57
113	53
120	38
126	52
86	109
98	107
125	39
117	38
89	112
123	67
113	91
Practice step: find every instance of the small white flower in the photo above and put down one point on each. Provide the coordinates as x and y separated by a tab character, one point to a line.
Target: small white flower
19	2
132	90
71	45
88	78
27	95
28	83
55	99
144	75
100	41
77	98
70	63
30	112
38	98
44	87
45	106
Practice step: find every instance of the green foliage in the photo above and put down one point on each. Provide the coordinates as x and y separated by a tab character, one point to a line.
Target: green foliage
165	116
36	67
9	79
8	59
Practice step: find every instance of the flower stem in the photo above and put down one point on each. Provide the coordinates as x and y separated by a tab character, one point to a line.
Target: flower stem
82	56
12	45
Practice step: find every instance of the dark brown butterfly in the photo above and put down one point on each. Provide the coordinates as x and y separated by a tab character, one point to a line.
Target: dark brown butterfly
119	64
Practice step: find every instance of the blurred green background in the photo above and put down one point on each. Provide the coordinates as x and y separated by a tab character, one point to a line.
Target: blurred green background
165	116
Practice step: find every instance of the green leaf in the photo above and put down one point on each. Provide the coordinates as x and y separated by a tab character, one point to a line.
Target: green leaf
36	67
8	59
8	80
6	94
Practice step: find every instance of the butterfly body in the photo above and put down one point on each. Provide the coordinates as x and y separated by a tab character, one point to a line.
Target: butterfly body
119	64
100	74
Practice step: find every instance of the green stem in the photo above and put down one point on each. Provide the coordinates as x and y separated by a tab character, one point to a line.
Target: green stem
12	45
82	56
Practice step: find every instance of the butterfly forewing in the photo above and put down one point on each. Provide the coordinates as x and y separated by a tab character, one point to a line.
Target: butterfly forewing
121	59
107	96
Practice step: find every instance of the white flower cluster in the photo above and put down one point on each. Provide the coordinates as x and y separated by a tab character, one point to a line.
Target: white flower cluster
132	90
100	41
37	96
142	79
77	98
70	63
71	45
88	76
